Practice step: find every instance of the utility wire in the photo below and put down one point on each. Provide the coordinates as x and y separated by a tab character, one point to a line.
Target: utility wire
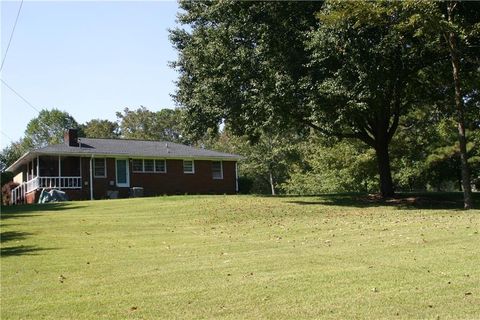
6	135
11	35
20	96
3	62
26	101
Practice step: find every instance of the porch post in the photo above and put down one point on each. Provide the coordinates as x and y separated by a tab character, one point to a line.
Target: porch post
59	167
38	166
28	170
91	178
59	173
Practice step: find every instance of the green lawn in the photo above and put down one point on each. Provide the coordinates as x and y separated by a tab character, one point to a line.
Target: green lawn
239	257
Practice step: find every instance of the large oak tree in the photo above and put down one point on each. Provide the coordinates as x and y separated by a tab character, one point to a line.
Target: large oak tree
345	69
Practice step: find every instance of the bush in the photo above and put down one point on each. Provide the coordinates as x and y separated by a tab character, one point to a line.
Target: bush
6	192
342	167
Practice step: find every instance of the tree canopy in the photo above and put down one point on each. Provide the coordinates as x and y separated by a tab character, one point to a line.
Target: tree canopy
98	128
144	124
346	69
48	127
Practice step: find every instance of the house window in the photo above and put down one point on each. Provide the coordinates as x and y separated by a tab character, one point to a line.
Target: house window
137	165
99	167
188	166
160	166
148	165
217	170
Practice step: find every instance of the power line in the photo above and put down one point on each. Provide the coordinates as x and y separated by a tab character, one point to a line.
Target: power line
20	96
6	136
11	35
27	102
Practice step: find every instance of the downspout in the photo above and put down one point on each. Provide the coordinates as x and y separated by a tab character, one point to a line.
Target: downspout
91	178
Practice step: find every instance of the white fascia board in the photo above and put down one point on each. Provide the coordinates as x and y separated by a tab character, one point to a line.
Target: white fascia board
32	154
22	160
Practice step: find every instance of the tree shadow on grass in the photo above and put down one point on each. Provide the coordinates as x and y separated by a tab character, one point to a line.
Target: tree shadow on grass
6	236
408	201
21	250
32	210
25	211
9	236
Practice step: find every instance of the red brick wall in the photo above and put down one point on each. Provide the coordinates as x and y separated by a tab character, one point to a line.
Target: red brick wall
102	185
32	197
75	194
174	181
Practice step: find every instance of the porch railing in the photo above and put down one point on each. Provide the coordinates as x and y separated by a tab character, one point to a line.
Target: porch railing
18	194
60	182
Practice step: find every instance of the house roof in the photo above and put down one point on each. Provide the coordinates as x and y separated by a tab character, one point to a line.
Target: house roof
124	147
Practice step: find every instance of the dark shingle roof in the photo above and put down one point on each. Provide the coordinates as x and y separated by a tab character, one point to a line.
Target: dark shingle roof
135	148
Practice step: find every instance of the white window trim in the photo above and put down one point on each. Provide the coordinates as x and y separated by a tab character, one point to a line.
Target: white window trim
193	167
135	171
122	185
221	170
164	165
153	171
154	166
105	166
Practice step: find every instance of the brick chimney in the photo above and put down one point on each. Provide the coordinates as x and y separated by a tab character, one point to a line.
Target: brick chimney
70	137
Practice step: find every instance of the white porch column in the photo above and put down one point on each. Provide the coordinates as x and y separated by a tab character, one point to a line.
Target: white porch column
38	166
59	167
91	177
59	173
28	171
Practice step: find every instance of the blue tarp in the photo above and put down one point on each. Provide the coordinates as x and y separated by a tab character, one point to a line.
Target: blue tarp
53	195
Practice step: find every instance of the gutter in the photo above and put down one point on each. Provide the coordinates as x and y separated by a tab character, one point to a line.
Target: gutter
18	162
91	177
86	155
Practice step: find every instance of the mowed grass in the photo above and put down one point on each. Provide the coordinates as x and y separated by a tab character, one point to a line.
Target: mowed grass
238	257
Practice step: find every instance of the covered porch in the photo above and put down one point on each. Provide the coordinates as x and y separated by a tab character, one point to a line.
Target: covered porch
46	171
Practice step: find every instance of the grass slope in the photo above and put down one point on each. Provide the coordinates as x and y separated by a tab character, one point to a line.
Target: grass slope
238	257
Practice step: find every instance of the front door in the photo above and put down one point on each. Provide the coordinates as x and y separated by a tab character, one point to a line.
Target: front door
122	173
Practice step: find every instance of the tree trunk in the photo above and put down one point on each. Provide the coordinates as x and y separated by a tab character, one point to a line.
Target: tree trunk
271	182
383	162
466	185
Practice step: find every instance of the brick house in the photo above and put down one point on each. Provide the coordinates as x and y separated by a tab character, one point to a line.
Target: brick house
87	168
